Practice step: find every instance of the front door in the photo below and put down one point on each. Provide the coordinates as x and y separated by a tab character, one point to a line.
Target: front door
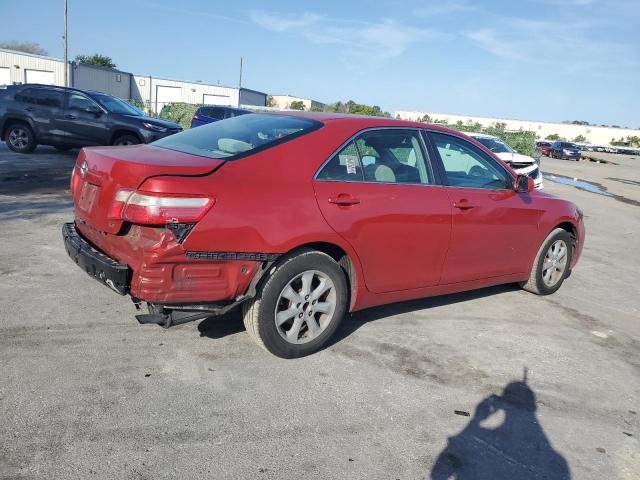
378	193
81	122
493	227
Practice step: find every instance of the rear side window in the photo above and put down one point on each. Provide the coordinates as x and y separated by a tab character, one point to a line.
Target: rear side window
345	166
28	95
49	98
239	136
215	113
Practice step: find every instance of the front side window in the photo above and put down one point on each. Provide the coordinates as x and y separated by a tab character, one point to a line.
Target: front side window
116	105
77	101
238	136
468	166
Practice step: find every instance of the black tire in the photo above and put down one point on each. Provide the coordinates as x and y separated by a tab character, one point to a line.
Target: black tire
536	283
62	148
126	139
259	313
20	138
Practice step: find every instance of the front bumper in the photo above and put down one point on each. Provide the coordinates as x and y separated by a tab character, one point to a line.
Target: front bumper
105	269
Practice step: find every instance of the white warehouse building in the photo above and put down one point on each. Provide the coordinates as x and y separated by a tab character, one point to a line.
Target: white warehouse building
18	68
593	134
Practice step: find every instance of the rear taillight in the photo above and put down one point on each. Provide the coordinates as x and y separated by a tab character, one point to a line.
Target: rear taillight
195	117
158	208
74	181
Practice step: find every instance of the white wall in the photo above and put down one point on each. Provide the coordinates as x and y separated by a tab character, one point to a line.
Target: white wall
52	70
146	90
593	134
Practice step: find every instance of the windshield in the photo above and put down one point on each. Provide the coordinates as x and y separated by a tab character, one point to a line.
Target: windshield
494	145
115	105
238	136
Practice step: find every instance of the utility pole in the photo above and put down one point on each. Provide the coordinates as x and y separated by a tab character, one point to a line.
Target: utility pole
66	62
240	82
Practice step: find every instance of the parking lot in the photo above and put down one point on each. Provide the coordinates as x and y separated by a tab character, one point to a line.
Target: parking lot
548	386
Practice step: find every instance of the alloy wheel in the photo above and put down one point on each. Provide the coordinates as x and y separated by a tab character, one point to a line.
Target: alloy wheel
555	263
19	138
305	307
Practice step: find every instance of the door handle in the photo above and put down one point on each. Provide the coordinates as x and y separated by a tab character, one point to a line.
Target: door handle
70	117
344	200
463	205
29	109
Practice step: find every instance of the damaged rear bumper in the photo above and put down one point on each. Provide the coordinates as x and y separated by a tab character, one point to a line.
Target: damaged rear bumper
103	268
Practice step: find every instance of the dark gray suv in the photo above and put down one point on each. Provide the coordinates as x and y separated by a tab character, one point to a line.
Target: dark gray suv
67	117
565	150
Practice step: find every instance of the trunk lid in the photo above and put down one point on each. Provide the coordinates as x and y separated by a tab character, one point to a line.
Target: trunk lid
101	171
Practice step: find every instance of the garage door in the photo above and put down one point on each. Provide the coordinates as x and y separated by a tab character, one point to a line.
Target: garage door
4	76
166	95
209	99
39	76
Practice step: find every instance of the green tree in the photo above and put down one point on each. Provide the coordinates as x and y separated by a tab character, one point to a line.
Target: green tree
271	101
26	47
96	59
297	105
425	119
580	139
553	137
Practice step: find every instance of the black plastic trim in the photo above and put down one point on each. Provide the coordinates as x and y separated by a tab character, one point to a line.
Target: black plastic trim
258	257
103	268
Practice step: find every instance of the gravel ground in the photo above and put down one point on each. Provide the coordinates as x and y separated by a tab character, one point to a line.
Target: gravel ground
407	391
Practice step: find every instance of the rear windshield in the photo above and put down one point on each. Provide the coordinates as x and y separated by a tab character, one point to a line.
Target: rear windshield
238	136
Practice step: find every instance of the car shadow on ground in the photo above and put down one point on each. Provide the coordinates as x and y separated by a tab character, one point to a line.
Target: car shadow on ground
502	441
231	323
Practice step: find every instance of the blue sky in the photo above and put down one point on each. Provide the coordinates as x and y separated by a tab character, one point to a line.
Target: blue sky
548	60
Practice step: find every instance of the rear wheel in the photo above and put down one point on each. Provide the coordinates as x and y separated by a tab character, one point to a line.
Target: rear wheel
20	138
126	139
299	307
551	265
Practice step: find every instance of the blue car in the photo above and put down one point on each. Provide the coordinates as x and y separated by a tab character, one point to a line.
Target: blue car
208	114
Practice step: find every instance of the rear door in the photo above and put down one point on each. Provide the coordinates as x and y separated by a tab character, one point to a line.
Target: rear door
84	127
493	227
44	106
378	192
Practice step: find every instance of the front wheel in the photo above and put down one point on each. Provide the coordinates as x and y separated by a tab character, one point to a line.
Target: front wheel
300	305
551	265
126	140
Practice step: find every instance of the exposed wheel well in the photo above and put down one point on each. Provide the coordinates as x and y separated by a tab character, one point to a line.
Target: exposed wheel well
571	230
341	257
12	121
119	133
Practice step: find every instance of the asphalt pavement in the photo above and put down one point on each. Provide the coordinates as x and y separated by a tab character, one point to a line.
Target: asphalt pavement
495	383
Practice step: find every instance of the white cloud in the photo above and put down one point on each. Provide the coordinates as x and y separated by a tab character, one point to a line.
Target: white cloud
281	23
564	45
363	43
433	8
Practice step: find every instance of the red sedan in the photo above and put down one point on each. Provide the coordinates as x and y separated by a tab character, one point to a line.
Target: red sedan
302	217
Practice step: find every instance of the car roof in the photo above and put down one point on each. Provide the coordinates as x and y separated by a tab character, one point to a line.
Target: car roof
361	121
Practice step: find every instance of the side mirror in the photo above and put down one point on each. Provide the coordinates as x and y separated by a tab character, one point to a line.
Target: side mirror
524	184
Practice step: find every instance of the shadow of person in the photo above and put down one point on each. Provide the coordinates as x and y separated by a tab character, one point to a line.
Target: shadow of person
517	448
